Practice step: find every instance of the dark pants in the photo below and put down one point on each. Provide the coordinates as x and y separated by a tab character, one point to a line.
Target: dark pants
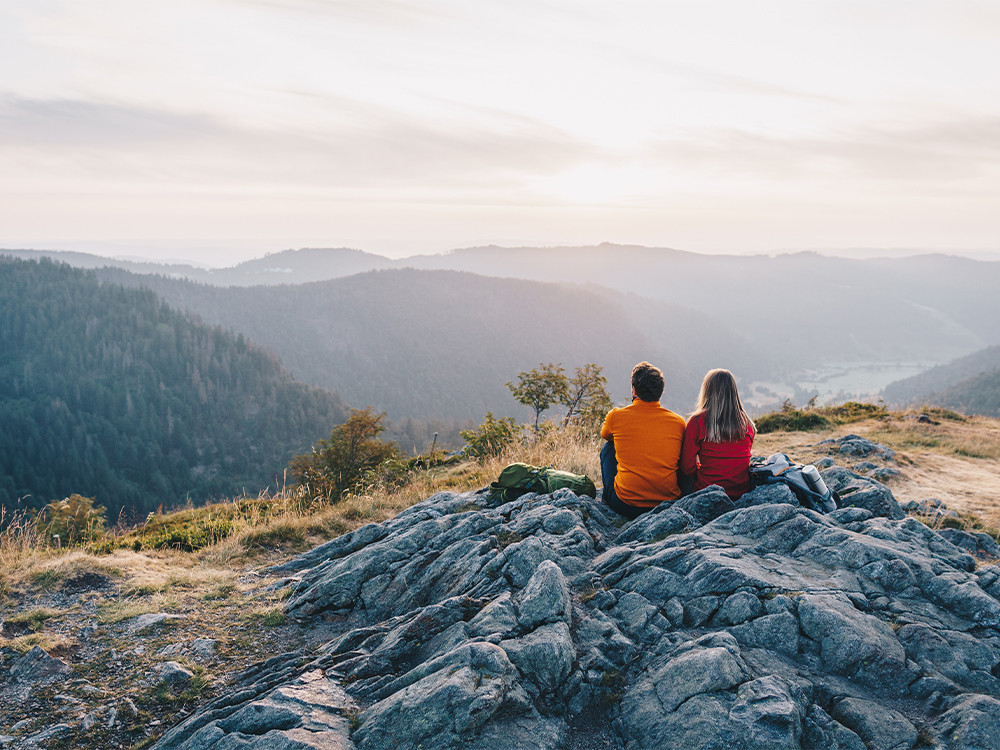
609	470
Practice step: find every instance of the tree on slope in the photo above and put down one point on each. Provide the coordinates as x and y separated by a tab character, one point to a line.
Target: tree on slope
339	464
587	395
540	388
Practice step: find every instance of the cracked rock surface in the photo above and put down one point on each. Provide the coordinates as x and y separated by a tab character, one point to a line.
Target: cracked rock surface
545	623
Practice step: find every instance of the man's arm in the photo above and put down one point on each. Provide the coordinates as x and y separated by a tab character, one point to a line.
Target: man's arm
606	432
689	451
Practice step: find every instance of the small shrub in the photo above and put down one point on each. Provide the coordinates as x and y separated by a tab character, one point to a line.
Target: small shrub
791	419
964	521
190	536
53	644
925	738
270	617
69	522
278	536
937	412
492	437
854	411
47	579
506	538
164	693
221	592
32	619
339	464
353	719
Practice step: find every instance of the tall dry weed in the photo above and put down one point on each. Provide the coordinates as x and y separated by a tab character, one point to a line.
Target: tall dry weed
18	544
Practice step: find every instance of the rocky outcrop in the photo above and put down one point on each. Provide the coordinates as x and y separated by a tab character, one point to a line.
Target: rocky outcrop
34	670
547	623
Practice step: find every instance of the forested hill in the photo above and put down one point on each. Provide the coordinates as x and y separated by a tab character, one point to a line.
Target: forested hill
970	384
110	393
442	344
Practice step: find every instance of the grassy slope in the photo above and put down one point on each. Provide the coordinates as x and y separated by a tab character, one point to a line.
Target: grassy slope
956	460
50	597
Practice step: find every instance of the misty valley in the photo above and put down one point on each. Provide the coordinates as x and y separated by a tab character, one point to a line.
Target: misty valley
145	385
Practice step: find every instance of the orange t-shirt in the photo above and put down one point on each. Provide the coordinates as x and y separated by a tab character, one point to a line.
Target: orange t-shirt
648	440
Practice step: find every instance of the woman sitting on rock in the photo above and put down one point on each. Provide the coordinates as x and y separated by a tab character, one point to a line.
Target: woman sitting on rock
718	437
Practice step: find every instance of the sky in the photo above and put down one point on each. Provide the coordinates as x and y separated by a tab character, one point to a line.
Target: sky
217	130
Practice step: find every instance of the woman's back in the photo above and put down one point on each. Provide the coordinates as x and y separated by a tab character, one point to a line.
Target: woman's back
725	463
719	437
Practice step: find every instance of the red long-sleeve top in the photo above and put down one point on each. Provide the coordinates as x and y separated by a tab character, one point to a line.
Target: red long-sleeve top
724	464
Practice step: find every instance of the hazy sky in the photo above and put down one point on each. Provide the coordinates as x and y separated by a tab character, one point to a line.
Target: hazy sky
234	127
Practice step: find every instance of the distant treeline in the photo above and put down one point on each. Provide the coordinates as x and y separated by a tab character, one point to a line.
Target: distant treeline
109	393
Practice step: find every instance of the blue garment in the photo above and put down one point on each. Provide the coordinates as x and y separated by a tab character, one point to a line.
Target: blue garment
609	470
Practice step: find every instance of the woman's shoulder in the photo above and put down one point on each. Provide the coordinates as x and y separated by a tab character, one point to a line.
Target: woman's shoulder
696	423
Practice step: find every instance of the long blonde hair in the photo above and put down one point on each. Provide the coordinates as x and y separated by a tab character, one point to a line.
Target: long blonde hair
725	419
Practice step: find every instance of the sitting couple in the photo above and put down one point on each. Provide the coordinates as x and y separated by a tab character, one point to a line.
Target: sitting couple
652	456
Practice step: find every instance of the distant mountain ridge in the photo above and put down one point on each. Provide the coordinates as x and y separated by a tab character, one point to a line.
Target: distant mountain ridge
822	309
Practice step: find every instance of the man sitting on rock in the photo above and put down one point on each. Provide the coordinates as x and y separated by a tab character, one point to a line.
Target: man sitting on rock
639	460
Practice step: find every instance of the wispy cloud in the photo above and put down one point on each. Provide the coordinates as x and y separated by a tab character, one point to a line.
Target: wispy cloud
72	123
372	146
380	13
943	151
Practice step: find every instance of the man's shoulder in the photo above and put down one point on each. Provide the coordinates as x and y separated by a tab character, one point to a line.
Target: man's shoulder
666	413
662	415
674	418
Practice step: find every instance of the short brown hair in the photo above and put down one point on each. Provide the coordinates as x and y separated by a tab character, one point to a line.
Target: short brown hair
647	381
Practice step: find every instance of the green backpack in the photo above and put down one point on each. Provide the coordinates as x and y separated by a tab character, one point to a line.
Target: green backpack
519	479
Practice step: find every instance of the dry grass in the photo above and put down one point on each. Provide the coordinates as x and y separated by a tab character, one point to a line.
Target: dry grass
119	610
252	532
54	644
972	437
956	460
18	546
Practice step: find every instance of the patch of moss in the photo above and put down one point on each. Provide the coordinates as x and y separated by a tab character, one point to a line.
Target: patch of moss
270	617
791	420
353	719
853	411
47	579
280	536
32	619
506	538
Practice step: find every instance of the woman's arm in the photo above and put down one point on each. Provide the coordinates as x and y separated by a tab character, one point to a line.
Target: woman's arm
689	450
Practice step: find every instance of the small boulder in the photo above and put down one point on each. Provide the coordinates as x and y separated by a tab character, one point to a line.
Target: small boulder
33	670
706	505
147	622
876	724
175	676
861	492
977	543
